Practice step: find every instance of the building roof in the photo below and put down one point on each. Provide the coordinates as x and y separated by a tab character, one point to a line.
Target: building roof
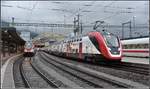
10	34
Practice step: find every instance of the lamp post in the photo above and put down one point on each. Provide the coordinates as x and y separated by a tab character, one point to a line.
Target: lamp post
123	26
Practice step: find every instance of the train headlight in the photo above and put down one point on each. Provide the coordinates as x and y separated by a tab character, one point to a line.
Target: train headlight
119	49
25	50
31	50
109	49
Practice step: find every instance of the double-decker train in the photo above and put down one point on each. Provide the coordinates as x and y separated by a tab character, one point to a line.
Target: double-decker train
95	46
29	49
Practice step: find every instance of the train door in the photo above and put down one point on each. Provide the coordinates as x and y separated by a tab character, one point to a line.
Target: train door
80	50
67	52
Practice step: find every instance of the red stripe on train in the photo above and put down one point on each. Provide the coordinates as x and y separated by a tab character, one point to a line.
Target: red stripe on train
136	51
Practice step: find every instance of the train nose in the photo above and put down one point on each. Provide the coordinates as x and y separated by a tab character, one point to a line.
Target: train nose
114	50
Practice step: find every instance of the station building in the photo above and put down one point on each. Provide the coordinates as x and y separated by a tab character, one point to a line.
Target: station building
11	42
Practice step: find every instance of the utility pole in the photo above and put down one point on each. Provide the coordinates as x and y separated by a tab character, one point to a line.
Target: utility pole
78	29
130	33
81	28
130	29
64	21
52	34
13	20
77	25
75	30
122	30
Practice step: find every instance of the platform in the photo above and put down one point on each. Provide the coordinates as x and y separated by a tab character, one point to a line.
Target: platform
136	60
7	73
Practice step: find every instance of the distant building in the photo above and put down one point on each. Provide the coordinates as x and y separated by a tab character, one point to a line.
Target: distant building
26	35
4	24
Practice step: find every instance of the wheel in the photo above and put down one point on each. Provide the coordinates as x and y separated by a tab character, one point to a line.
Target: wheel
86	59
116	62
93	60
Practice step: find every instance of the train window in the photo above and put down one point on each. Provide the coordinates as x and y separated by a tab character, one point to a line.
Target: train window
76	50
130	46
95	42
124	46
111	40
80	39
140	45
146	46
73	50
28	45
136	46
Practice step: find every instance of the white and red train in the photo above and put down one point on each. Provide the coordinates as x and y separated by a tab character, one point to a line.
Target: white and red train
29	49
95	46
136	47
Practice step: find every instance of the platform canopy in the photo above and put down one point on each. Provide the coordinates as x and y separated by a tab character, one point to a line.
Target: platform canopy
10	34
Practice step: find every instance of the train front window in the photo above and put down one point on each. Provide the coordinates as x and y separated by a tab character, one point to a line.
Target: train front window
28	45
111	40
95	42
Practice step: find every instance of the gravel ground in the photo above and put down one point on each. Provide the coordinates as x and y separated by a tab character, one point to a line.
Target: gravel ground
119	73
70	77
95	80
34	79
37	62
16	73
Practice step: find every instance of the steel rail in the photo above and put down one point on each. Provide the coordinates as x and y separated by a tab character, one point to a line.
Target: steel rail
89	74
51	83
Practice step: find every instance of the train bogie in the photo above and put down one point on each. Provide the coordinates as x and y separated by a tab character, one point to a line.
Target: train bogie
28	54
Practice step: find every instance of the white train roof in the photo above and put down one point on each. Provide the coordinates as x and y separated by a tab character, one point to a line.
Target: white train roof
136	41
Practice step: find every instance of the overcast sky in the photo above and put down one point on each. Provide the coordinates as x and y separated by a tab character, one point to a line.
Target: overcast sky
112	12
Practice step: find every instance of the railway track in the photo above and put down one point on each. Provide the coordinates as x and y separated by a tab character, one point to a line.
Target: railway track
51	83
19	76
105	68
142	69
22	80
131	67
24	77
62	66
